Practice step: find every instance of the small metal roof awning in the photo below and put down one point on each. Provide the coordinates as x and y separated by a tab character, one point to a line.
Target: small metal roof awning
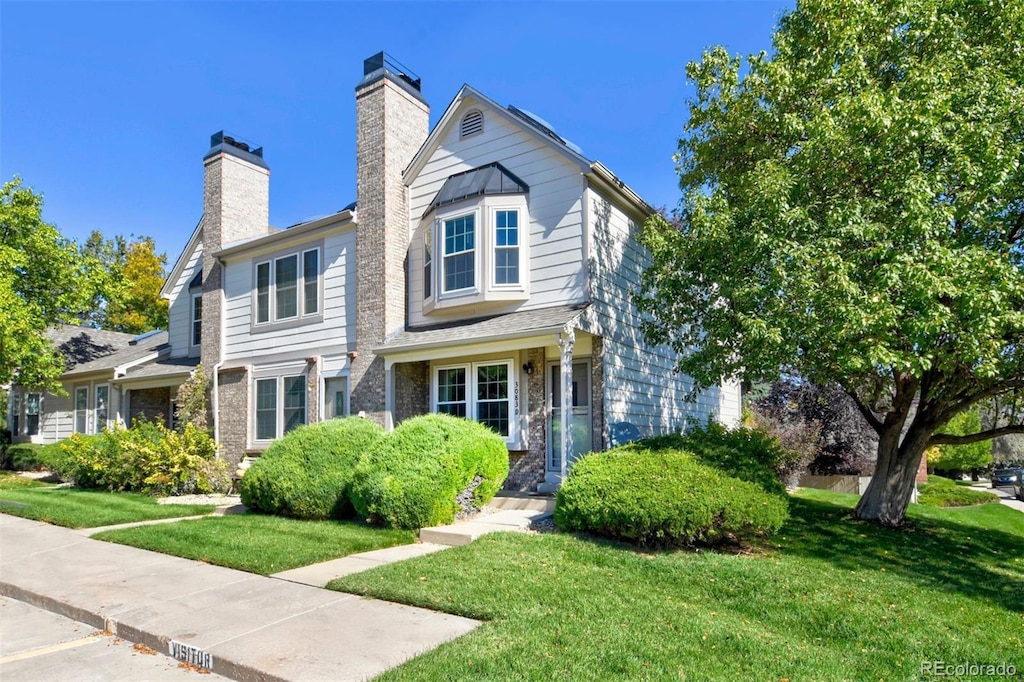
490	179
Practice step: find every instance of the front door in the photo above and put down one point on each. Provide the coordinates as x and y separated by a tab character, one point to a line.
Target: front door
579	417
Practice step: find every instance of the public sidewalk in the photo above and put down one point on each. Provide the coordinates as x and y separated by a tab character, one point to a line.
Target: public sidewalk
237	624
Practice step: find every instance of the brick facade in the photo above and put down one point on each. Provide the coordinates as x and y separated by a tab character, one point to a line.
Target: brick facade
153	404
391	125
526	467
412	389
233	395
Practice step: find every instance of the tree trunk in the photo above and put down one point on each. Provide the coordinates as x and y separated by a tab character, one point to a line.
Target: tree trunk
892	485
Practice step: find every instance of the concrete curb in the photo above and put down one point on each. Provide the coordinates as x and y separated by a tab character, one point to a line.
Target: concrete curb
221	665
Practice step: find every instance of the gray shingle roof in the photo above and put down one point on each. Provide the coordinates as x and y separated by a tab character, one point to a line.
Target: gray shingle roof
510	325
161	368
92	350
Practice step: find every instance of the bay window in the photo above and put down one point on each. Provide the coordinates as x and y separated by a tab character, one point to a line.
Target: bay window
506	247
459	253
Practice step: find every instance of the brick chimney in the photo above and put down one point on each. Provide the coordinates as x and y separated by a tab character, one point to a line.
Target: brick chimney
236	201
392	120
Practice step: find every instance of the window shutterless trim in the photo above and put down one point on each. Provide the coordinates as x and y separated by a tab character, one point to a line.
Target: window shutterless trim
265	296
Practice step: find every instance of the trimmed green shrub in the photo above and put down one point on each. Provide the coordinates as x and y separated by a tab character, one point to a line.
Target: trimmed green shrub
23	457
148	458
414	477
747	454
663	497
308	473
944	492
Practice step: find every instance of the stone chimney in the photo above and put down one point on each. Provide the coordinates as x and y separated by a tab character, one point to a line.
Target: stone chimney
236	201
392	120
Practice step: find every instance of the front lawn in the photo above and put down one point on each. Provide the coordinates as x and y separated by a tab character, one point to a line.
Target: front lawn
76	508
257	543
828	598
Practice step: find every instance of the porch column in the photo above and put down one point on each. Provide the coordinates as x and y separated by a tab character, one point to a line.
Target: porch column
566	341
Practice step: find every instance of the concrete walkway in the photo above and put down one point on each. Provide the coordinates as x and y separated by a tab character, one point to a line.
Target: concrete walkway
236	624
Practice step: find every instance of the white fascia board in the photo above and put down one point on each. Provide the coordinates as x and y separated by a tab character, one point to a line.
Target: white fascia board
179	265
434	138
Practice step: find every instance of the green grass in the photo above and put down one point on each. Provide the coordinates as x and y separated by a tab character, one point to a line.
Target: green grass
259	544
945	492
85	508
828	599
10	480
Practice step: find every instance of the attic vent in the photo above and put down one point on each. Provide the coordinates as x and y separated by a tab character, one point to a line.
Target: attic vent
472	123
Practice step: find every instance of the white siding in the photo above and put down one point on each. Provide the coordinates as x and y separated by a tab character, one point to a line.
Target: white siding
179	313
641	386
555	204
334	333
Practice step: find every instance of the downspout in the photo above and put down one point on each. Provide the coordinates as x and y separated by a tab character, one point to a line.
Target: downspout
215	390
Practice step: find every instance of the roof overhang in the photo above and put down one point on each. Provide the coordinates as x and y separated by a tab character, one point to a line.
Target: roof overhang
343	218
179	265
604	180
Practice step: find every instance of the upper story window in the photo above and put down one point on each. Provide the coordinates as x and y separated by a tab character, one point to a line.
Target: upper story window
287	287
197	319
475	247
472	123
506	247
459	253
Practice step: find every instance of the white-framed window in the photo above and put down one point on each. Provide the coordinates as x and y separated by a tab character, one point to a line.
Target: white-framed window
486	391
459	261
15	414
428	263
32	414
506	247
280	406
102	408
82	409
197	319
476	254
287	287
336	397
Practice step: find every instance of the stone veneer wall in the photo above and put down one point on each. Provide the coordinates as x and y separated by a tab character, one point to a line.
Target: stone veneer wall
526	467
234	414
151	403
598	439
412	389
391	124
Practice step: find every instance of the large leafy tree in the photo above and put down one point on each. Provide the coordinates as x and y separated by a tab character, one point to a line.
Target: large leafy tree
44	281
137	306
126	296
853	209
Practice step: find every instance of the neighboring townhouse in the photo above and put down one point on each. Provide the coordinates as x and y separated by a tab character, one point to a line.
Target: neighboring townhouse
485	270
110	378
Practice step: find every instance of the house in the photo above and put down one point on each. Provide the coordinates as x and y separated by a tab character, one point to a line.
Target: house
484	270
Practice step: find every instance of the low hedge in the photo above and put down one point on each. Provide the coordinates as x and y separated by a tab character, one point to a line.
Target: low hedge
747	454
147	458
663	497
944	492
22	457
415	476
308	473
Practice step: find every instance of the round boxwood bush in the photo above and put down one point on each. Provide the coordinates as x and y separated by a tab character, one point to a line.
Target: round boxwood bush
663	498
417	475
307	473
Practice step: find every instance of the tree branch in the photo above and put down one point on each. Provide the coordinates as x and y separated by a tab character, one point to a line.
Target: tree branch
950	439
873	421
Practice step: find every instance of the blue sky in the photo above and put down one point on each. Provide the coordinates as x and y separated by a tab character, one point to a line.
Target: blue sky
107	108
